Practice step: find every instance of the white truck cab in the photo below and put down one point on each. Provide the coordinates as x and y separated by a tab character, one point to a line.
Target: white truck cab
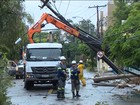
41	64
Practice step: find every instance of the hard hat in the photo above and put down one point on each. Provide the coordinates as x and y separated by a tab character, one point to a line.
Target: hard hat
73	62
62	58
80	61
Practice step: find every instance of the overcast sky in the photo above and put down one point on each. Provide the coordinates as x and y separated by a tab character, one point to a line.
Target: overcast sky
68	8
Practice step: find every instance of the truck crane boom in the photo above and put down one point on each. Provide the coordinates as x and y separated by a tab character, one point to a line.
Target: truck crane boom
50	19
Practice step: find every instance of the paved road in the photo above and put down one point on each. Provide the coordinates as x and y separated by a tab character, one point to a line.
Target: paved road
90	95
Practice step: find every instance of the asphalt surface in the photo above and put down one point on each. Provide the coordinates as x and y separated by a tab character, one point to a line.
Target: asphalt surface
90	95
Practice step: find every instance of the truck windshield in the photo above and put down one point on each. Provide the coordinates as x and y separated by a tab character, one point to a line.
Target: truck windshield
43	54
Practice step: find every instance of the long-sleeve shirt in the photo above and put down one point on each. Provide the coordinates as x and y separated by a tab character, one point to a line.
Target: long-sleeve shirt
62	71
74	73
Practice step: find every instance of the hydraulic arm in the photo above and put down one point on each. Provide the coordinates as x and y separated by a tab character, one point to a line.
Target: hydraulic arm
50	19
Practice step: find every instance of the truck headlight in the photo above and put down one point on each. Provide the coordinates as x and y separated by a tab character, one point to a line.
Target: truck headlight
29	76
16	68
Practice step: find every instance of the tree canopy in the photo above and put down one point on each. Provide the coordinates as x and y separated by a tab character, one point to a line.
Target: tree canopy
123	38
12	16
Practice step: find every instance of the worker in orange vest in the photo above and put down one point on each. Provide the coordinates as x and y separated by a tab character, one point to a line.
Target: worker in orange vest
81	76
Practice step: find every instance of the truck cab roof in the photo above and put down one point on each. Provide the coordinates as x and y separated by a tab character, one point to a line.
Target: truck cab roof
44	45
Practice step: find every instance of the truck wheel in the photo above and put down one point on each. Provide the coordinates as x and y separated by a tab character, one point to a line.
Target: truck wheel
28	85
21	76
17	76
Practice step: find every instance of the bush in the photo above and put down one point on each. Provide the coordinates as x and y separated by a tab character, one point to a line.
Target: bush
4	83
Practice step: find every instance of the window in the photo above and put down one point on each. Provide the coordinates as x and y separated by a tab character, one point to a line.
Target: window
43	54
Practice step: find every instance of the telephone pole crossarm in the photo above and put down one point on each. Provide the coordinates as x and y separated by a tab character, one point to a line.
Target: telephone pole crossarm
97	8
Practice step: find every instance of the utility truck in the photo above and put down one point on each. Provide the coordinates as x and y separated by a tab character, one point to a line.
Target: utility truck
41	64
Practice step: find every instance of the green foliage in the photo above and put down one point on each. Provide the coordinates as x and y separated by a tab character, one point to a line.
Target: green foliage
4	83
122	11
12	25
72	48
87	26
123	39
77	48
44	37
83	48
3	48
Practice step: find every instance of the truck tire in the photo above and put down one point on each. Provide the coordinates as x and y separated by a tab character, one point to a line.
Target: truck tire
17	76
21	76
28	85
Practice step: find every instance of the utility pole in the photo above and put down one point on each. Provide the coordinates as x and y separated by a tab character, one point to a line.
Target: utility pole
98	33
101	25
97	8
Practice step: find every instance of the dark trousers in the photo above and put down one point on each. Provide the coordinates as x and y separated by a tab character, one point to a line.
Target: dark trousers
75	85
61	87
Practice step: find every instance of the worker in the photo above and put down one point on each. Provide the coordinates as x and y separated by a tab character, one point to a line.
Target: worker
62	73
75	83
81	75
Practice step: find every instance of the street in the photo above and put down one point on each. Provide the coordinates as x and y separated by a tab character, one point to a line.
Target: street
90	95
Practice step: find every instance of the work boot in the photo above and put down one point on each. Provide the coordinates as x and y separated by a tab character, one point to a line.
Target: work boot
73	94
58	94
63	96
84	85
77	94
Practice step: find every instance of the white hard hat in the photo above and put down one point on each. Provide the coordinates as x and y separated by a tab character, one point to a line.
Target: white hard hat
80	61
62	58
73	62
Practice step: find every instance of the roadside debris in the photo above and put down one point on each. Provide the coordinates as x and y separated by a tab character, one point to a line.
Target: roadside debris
135	80
137	89
118	81
98	79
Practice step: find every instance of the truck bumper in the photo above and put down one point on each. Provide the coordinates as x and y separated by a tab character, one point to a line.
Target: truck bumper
37	79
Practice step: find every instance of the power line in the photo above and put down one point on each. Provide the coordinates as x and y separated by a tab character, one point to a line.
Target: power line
94	14
67	7
60	4
129	30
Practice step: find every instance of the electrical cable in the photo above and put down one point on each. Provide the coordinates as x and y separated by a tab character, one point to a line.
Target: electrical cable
96	13
123	31
67	7
54	6
80	11
60	5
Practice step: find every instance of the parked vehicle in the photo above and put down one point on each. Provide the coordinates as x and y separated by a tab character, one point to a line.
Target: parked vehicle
11	67
19	69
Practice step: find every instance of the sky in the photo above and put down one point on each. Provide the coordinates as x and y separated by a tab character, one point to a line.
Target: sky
68	8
